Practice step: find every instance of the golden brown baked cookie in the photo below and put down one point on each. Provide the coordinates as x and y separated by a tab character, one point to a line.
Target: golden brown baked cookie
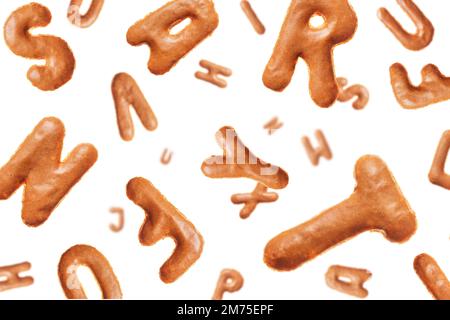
425	30
87	19
298	39
37	165
166	48
163	220
166	157
323	149
213	74
59	59
273	125
10	276
83	255
435	87
251	200
238	161
348	280
346	94
437	173
377	204
127	93
121	221
230	280
432	276
252	17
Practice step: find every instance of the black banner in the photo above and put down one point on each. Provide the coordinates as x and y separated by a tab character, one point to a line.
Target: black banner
221	309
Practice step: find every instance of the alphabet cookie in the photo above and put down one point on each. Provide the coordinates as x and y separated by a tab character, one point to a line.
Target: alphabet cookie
238	161
127	93
435	87
10	276
346	94
37	165
213	74
348	280
166	157
425	30
252	17
432	276
315	45
437	173
163	220
273	125
83	255
323	150
377	204
121	219
86	20
230	280
251	200
166	48
59	60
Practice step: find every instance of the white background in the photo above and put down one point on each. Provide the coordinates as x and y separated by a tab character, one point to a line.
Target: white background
189	113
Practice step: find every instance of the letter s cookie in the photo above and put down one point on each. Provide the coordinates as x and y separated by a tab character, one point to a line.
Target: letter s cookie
59	59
